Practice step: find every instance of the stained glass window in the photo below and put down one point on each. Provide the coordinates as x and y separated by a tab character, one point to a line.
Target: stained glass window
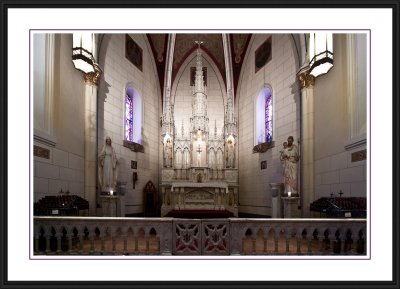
128	117
268	118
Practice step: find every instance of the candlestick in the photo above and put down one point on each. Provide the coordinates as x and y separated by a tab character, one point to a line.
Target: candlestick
289	194
111	193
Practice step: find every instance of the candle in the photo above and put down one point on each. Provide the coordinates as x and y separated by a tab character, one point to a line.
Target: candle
111	193
289	194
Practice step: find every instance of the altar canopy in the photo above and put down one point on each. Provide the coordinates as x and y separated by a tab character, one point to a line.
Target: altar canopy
199	167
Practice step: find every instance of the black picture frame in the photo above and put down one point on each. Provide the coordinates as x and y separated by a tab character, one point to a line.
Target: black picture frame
263	54
6	159
134	165
133	52
263	165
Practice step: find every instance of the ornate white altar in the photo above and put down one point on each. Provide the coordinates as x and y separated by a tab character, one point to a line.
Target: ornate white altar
213	195
199	170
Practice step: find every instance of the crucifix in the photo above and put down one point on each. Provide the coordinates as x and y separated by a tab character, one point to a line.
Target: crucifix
199	156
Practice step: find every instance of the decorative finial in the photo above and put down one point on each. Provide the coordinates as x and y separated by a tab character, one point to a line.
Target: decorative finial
199	43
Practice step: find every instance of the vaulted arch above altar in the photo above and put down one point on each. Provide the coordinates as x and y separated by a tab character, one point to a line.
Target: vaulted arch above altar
181	93
199	151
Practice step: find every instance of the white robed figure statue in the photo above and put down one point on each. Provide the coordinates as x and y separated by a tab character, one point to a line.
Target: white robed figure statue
290	157
230	152
168	152
107	167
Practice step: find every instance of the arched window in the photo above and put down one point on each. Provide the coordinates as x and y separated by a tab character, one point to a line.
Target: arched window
264	116
128	117
133	116
268	116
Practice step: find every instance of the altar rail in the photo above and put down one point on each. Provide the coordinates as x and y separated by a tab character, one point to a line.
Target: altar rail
170	236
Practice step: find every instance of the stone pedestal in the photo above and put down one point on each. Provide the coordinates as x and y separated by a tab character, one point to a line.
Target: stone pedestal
121	206
121	201
109	205
167	175
290	207
232	176
277	208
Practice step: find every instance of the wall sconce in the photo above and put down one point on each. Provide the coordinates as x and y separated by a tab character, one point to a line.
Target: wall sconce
320	53
82	52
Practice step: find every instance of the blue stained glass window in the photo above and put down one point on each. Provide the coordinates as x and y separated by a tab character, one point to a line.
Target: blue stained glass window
268	118
128	117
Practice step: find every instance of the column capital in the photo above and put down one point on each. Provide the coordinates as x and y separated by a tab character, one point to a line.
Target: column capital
305	79
93	78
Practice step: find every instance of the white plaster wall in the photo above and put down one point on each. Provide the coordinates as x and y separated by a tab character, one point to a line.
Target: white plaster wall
280	73
119	72
64	170
334	170
182	95
39	76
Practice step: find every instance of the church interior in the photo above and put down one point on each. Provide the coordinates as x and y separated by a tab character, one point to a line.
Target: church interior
199	143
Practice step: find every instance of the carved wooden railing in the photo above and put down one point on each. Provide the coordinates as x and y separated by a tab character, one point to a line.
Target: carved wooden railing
102	236
169	236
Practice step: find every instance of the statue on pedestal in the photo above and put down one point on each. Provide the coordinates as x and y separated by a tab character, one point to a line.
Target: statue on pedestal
230	153
290	157
168	152
107	167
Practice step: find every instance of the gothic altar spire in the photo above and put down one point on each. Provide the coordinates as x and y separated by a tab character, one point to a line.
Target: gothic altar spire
199	80
167	118
199	119
230	120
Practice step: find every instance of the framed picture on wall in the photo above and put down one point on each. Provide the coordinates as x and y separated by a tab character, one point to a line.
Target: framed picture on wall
133	52
263	165
263	54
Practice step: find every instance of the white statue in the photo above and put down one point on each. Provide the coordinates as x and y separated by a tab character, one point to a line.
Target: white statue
230	153
107	167
290	157
168	152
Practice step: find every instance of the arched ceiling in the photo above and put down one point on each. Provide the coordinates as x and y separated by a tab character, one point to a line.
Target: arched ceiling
212	45
185	44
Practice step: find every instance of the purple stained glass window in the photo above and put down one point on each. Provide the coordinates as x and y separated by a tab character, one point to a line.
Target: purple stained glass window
128	118
268	118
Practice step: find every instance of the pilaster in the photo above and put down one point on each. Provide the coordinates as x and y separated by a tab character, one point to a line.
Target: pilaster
306	82
91	85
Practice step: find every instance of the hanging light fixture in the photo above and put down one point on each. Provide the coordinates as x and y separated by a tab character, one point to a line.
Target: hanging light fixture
82	52
320	53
